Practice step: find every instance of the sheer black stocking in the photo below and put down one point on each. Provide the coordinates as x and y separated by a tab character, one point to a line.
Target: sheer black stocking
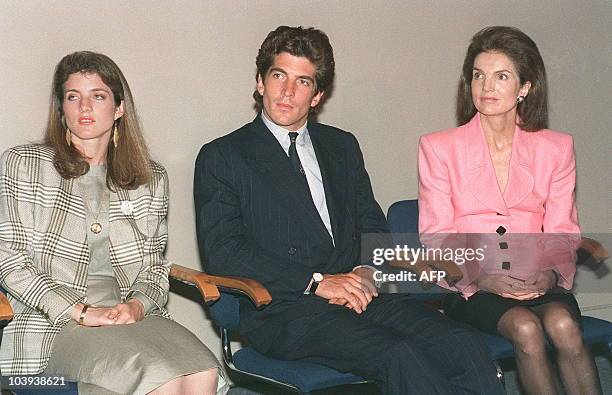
576	365
524	329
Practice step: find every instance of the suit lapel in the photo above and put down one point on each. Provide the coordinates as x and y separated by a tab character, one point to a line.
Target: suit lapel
483	181
68	219
271	162
333	172
520	175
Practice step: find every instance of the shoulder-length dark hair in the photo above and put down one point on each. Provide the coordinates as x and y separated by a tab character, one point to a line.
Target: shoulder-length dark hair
533	111
128	164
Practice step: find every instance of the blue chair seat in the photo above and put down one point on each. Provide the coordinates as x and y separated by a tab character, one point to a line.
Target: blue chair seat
306	376
595	331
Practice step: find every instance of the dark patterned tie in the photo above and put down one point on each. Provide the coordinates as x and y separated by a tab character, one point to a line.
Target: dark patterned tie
293	155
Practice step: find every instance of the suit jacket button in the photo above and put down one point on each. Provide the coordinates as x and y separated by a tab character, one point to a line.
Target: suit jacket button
503	245
501	230
506	265
292	250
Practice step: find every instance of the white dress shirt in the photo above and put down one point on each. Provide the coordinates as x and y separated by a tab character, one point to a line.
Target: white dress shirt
308	159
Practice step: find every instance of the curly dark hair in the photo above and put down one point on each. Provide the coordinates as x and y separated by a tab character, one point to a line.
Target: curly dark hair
310	43
522	50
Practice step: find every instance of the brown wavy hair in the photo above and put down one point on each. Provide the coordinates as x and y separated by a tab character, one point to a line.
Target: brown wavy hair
310	43
523	51
129	164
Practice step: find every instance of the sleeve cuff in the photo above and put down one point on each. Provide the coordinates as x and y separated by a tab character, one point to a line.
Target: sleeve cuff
64	315
144	299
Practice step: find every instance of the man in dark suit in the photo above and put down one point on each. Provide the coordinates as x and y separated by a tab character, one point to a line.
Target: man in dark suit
285	202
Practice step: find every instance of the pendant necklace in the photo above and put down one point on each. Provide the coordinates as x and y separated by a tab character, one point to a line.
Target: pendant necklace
95	226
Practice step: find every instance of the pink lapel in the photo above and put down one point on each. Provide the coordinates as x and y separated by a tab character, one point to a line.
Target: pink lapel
520	177
483	182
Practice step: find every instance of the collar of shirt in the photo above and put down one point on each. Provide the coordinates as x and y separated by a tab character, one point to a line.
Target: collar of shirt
282	135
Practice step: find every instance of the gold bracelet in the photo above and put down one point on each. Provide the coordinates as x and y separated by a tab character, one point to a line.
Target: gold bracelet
82	316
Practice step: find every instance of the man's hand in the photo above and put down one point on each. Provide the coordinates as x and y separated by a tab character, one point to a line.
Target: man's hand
354	290
366	273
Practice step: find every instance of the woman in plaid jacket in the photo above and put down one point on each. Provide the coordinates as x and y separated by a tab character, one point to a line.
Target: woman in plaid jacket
82	239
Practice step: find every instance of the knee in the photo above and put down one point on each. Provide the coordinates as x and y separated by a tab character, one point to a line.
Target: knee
205	382
207	378
528	337
565	333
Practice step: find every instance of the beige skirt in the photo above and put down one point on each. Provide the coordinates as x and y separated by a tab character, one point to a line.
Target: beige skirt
129	359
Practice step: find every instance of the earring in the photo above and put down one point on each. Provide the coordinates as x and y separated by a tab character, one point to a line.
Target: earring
115	136
520	99
68	137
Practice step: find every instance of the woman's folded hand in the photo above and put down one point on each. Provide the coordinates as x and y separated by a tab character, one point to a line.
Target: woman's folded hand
95	316
522	295
499	284
542	281
122	313
510	287
129	312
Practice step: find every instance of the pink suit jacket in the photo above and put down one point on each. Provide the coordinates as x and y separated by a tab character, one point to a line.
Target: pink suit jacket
459	193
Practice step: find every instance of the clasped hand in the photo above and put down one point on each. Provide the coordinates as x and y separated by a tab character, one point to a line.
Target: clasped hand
510	287
355	290
122	313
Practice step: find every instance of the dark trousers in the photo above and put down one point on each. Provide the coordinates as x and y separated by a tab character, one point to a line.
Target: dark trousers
405	346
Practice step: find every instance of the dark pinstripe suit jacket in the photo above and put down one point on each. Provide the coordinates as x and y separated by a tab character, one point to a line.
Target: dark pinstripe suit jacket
256	219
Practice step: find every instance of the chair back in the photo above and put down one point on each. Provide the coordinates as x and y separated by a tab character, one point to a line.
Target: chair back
403	223
403	217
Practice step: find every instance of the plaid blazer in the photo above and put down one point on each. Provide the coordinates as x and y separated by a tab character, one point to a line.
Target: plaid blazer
44	253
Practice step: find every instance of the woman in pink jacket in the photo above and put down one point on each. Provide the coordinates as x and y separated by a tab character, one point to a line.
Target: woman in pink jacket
504	175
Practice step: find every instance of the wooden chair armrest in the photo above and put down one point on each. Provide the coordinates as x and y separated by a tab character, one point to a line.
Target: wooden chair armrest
209	284
258	294
207	289
595	249
6	311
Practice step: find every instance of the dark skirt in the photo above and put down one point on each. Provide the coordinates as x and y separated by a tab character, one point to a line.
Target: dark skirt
483	310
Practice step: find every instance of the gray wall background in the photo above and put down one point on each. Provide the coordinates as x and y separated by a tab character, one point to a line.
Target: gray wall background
191	67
